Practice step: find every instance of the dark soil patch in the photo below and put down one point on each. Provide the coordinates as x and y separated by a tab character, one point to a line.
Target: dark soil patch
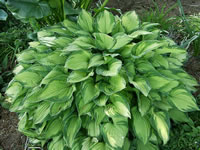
10	138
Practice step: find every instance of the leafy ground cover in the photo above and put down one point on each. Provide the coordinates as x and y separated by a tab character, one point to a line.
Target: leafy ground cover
189	138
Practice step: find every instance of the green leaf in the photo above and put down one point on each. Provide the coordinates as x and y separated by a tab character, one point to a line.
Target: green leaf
53	128
114	66
117	83
105	22
14	90
78	76
146	46
103	41
142	85
30	79
139	33
98	146
70	25
113	135
130	21
183	100
26	56
51	59
57	144
161	122
99	114
121	40
41	112
71	129
89	91
141	126
78	60
144	105
121	105
96	60
57	91
85	20
148	146
28	9
3	15
84	42
126	50
101	100
56	73
179	116
93	129
154	80
56	108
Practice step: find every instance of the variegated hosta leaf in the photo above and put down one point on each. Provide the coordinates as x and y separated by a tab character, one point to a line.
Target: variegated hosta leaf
130	21
71	128
183	100
105	22
85	20
113	135
161	122
75	85
141	125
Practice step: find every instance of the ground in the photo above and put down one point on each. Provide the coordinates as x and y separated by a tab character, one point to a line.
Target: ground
11	139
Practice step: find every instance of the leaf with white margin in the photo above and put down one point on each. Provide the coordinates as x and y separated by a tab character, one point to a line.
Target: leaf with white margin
105	22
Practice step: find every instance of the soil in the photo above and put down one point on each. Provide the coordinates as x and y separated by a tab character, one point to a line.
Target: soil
11	139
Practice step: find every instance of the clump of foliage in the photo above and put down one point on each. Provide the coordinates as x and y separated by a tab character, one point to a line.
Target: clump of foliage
103	82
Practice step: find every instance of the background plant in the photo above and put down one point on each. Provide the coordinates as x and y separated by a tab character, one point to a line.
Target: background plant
190	30
160	15
106	85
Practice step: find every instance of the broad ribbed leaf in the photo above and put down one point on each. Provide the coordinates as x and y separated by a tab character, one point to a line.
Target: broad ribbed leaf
117	83
139	33
113	135
95	61
141	126
179	116
183	100
71	129
57	144
105	22
142	85
148	146
93	129
41	112
103	41
89	91
26	56
14	89
161	122
57	91
144	104
121	105
27	8
85	20
130	21
78	76
114	67
121	40
28	78
78	60
154	80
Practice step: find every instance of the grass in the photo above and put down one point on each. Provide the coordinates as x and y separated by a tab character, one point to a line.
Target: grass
159	15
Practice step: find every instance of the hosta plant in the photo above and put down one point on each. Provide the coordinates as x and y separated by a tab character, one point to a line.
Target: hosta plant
101	83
